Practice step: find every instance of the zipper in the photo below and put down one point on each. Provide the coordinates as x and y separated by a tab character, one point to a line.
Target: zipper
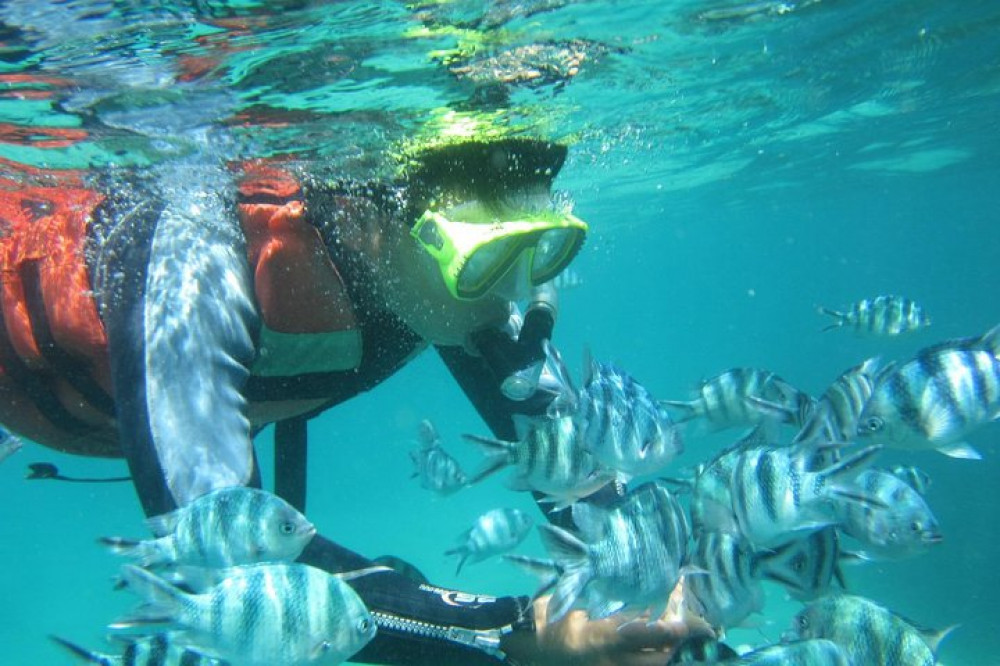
485	640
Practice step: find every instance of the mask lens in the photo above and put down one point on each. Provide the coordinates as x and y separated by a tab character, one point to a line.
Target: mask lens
554	250
487	265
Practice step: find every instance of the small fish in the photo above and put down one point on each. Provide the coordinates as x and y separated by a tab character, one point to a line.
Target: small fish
729	590
550	459
882	316
728	400
902	527
620	421
805	567
495	532
260	614
223	528
632	561
155	650
937	398
867	632
9	444
437	470
811	652
776	499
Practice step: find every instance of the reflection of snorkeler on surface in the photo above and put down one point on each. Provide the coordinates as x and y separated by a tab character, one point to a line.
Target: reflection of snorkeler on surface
175	317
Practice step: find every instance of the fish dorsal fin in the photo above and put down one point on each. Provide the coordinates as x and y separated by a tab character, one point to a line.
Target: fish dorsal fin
165	523
933	637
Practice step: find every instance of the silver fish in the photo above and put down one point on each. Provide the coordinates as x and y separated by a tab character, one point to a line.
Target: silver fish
835	416
937	398
712	495
885	316
633	563
805	567
728	400
9	444
867	632
260	614
619	420
436	469
776	499
550	459
902	527
812	652
493	533
729	590
226	527
155	650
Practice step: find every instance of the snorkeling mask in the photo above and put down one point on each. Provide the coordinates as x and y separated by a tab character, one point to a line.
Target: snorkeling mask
474	253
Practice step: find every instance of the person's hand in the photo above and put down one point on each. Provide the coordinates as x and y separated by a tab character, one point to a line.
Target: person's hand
615	641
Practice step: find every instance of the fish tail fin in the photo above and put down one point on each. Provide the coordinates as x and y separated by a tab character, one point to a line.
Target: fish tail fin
573	556
680	410
498	453
566	400
87	655
144	552
164	601
839	318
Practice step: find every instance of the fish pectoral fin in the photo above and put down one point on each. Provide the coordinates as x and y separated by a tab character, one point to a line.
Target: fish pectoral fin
962	450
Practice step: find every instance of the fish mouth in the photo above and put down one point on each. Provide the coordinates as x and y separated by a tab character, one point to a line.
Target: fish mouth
932	537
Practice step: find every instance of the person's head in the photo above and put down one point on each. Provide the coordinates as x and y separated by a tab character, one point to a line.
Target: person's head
482	231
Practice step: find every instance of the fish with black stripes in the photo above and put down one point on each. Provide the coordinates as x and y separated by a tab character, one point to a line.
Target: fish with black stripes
867	632
882	316
437	470
727	589
260	614
155	650
937	398
809	652
806	567
618	419
493	533
226	527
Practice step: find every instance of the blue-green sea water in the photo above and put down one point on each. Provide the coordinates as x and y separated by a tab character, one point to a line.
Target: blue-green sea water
739	164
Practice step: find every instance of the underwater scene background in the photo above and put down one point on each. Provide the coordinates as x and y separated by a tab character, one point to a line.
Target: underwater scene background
740	165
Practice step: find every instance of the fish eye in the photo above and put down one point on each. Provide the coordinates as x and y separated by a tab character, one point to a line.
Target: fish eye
287	527
364	625
803	622
874	424
916	526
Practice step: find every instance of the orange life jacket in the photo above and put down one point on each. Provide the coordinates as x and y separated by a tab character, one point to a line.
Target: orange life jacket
55	378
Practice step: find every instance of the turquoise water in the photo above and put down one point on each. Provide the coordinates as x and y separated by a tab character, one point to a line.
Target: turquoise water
739	165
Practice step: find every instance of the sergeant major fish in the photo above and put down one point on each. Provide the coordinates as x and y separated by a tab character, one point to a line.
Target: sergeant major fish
903	526
775	498
617	418
807	566
437	470
810	652
155	650
236	525
729	590
867	632
632	560
728	400
549	459
493	533
885	316
260	614
937	398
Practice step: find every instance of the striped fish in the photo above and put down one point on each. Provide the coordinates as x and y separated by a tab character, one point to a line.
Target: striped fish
260	614
155	650
617	418
903	526
776	499
712	496
729	591
937	398
867	632
550	460
805	567
632	561
812	652
835	416
493	533
728	400
882	316
224	528
435	468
